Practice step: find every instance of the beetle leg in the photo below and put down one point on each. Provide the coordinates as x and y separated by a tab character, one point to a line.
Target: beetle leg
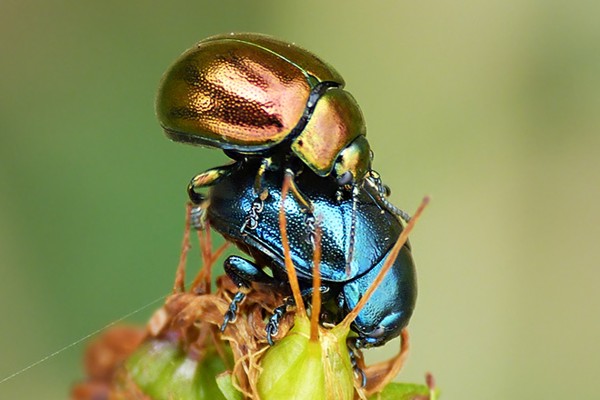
265	164
231	313
358	371
278	313
257	207
242	272
309	221
251	221
206	179
300	197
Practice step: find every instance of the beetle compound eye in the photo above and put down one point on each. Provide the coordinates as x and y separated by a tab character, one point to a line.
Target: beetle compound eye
345	179
378	332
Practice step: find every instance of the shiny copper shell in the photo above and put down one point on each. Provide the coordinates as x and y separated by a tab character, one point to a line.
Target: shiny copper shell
244	92
336	121
302	58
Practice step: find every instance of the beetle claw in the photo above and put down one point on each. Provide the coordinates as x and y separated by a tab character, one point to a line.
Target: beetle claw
273	324
272	330
226	319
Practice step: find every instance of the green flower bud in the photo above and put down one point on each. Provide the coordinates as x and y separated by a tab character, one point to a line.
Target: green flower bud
163	371
297	367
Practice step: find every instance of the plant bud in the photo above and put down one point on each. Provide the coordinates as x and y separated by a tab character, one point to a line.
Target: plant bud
299	368
162	370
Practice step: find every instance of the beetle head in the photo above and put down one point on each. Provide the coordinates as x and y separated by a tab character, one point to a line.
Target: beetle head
353	163
378	335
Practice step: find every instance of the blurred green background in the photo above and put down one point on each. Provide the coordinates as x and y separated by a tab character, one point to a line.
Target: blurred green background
492	107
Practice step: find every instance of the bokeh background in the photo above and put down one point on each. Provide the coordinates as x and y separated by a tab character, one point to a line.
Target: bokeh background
492	107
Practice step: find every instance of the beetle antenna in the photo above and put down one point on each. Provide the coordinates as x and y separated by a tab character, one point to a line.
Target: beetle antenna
289	265
352	230
373	182
375	200
387	265
315	307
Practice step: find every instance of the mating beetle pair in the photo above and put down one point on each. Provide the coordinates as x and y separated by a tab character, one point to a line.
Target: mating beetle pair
275	107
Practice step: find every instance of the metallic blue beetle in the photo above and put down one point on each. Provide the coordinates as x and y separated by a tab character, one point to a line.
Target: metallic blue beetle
251	222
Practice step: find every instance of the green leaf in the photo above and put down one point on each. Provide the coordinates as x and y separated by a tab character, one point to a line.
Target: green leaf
403	391
226	385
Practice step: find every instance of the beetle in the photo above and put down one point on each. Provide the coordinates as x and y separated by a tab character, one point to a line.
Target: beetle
255	96
258	234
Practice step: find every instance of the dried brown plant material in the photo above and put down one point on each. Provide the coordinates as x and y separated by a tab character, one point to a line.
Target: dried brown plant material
184	336
102	360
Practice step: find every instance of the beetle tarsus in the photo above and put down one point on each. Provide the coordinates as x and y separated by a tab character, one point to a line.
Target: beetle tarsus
231	314
359	374
309	220
251	221
278	313
273	324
